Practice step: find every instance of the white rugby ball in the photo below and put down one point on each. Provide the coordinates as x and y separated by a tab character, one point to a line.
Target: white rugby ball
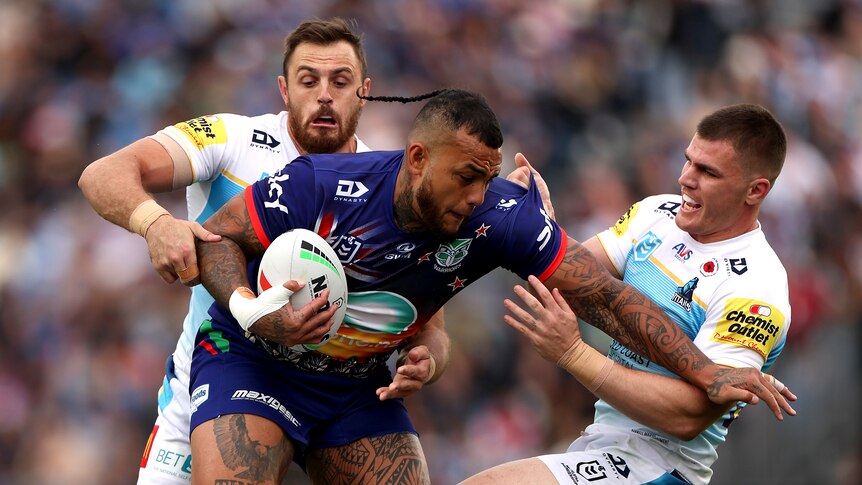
300	254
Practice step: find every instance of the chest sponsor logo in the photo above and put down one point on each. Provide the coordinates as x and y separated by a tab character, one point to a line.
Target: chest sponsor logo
683	253
622	224
203	131
737	265
619	463
449	256
751	324
646	246
263	139
685	293
404	250
669	208
709	268
350	191
199	396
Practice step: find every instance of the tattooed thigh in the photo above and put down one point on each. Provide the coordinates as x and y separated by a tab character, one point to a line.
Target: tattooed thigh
240	449
395	458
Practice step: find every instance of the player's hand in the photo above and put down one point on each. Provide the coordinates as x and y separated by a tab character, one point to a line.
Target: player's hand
750	385
171	243
415	368
521	176
550	323
283	324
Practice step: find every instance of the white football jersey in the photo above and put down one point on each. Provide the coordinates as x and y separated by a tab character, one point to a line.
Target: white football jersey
730	297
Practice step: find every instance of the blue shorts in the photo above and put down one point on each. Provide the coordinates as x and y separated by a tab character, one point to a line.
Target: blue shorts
230	374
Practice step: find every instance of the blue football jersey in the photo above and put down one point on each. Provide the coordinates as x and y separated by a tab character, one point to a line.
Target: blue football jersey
397	280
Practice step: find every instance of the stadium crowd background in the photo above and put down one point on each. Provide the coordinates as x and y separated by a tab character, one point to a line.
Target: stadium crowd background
601	95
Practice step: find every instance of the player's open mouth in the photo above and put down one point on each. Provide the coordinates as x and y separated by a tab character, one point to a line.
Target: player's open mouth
689	203
327	121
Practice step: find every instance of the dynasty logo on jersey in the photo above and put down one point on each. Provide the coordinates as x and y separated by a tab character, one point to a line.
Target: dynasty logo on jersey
203	131
622	224
749	323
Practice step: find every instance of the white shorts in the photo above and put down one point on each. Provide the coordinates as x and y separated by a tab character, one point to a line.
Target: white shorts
604	455
167	458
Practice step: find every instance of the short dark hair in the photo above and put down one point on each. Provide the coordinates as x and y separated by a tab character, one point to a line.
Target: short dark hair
325	32
455	109
757	137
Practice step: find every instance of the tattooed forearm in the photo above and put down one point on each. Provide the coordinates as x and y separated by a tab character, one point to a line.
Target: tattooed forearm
223	263
618	309
391	459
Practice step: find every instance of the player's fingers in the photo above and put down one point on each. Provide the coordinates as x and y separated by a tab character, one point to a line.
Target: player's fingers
529	300
541	290
522	316
781	394
561	302
166	275
293	285
189	274
203	234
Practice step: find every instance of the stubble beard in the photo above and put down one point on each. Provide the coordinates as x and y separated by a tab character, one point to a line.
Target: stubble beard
429	213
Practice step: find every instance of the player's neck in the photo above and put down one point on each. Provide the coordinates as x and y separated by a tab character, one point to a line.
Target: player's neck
402	205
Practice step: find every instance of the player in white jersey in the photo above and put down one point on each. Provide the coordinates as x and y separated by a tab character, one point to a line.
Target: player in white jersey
216	157
703	257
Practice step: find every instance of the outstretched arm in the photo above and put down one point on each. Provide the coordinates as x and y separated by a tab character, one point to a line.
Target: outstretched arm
118	187
627	315
224	274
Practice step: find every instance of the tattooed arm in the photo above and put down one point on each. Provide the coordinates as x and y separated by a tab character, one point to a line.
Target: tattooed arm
223	268
624	313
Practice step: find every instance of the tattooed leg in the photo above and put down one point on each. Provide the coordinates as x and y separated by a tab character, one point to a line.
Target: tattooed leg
240	449
391	459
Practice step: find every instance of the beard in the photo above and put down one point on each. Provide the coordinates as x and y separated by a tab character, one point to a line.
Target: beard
320	140
430	214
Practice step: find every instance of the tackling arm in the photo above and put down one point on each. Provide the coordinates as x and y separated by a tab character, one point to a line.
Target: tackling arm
627	315
118	186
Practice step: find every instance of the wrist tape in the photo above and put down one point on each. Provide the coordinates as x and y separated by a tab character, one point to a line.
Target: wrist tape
144	215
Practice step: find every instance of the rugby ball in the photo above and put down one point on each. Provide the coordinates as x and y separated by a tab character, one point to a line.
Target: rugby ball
300	254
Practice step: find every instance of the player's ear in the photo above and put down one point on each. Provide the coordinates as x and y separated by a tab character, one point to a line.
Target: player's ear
757	191
282	88
364	90
416	158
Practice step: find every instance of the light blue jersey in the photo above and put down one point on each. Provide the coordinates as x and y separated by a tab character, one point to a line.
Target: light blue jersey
730	297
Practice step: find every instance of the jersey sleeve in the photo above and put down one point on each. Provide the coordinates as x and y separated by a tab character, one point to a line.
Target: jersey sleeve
618	239
747	324
208	141
534	244
283	201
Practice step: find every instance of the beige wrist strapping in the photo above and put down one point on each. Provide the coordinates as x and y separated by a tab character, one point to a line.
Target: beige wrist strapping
589	367
144	215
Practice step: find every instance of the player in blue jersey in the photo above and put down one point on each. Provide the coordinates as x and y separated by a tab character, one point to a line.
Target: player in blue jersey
432	219
324	68
701	255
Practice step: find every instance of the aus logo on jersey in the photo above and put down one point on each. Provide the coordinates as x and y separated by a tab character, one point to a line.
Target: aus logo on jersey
450	255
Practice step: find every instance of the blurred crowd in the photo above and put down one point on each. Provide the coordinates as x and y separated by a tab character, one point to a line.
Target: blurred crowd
601	95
